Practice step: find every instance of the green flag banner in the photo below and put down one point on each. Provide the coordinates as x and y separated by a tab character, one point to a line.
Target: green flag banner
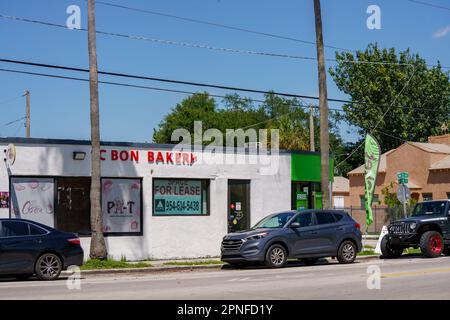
371	162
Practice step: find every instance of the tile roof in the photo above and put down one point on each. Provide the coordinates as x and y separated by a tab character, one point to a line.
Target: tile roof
432	147
381	168
441	164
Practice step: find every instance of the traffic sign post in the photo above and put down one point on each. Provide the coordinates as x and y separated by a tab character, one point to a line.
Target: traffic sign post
403	195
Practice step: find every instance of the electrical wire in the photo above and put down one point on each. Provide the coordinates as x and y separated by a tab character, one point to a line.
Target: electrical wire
202	46
10	99
214	24
197	84
429	4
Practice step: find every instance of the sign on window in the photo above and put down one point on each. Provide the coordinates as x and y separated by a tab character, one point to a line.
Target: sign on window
33	199
121	205
178	197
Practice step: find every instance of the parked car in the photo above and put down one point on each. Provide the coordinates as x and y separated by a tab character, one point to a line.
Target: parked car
307	235
428	228
28	248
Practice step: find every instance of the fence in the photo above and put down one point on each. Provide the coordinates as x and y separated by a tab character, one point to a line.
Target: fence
359	215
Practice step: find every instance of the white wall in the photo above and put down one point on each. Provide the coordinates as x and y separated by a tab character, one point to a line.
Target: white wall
163	236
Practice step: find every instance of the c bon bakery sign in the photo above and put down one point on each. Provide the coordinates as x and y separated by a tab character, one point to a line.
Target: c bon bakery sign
152	157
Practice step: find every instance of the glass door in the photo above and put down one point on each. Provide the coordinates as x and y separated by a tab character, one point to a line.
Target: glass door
238	205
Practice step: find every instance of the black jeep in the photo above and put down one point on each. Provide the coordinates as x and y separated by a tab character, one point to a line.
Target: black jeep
428	228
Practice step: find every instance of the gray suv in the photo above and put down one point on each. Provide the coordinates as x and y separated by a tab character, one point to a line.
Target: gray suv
306	235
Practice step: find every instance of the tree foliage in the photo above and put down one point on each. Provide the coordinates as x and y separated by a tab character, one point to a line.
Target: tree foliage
287	115
405	82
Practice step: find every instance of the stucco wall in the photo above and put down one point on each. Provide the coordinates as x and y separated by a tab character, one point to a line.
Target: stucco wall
163	237
416	162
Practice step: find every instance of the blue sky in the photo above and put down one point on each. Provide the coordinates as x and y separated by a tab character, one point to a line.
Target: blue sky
60	108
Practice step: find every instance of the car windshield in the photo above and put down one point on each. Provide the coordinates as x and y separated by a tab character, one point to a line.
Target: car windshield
429	208
277	220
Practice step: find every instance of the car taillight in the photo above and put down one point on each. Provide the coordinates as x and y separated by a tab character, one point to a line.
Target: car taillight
358	226
75	241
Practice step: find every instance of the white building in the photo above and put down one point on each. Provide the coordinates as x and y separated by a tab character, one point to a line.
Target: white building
157	202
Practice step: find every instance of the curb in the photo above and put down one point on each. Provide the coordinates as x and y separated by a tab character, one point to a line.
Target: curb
372	257
174	268
146	269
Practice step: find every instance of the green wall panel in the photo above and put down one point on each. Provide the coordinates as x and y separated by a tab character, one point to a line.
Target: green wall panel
306	167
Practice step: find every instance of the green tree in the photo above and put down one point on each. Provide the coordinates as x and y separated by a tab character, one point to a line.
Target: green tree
374	86
199	106
275	112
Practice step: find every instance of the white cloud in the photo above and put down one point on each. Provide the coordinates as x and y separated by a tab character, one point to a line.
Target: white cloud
442	32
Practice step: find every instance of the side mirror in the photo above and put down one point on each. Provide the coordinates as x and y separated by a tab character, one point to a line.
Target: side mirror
294	225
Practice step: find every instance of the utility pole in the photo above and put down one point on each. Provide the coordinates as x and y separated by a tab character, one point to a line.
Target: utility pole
311	129
323	106
27	117
98	247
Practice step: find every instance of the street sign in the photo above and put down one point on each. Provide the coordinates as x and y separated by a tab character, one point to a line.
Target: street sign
403	193
402	177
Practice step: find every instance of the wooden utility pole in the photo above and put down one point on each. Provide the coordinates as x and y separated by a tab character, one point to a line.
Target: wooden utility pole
323	105
311	129
28	114
98	247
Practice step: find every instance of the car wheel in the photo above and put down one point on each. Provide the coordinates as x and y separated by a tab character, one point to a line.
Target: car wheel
276	256
389	251
48	267
309	261
347	252
431	244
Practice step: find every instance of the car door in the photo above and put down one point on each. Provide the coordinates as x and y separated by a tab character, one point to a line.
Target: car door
18	248
328	231
302	239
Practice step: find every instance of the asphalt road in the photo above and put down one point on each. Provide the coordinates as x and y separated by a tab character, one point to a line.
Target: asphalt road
410	277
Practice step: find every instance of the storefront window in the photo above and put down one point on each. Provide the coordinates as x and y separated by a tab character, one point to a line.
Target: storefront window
33	199
122	205
180	197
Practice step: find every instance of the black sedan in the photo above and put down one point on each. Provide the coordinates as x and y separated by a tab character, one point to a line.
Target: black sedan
28	248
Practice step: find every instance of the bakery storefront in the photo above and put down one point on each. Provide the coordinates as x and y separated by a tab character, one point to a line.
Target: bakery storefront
157	201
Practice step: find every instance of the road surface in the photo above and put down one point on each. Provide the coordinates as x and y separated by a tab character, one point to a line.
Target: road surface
410	277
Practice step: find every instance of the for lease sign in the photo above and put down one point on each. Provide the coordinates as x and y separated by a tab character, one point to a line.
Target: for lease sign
177	197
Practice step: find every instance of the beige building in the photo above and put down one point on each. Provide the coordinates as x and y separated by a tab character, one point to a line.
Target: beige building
341	192
428	165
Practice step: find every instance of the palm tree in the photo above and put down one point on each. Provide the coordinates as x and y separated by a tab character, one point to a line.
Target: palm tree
98	246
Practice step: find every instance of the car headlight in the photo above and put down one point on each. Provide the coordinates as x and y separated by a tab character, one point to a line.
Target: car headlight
413	225
256	236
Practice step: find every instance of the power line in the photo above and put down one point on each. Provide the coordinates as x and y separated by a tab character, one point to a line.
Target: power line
168	42
190	83
166	90
205	85
11	122
145	87
208	47
10	99
214	24
429	4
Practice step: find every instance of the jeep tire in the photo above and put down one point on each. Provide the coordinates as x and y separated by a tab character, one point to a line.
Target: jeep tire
431	244
389	251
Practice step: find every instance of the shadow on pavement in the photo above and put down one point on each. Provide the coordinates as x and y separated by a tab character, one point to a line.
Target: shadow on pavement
289	264
5	279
